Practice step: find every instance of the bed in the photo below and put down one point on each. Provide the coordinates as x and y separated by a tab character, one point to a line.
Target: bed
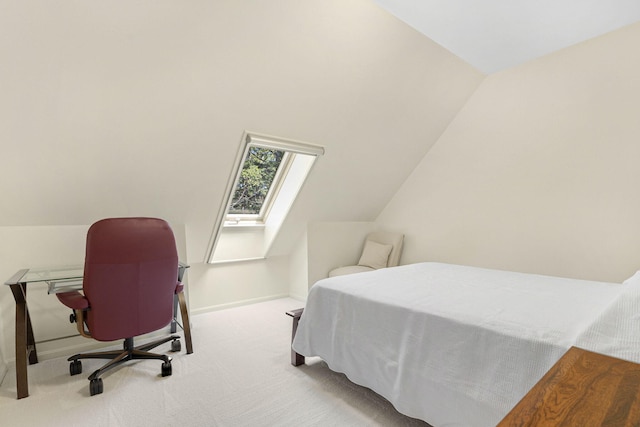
460	346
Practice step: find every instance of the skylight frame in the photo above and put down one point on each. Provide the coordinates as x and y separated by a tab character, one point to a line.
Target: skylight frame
283	199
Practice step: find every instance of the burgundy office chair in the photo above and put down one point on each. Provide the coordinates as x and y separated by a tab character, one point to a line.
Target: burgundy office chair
130	279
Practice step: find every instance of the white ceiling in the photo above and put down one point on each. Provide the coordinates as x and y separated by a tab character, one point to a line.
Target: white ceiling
493	35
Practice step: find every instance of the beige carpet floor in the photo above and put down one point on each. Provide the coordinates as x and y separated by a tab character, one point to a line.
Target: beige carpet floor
239	375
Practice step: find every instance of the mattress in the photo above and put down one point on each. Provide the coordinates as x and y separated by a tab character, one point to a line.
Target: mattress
452	345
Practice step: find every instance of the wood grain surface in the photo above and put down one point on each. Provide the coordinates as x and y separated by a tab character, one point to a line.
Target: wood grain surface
582	389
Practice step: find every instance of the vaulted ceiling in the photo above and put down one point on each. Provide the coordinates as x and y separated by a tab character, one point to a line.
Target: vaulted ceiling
137	108
496	34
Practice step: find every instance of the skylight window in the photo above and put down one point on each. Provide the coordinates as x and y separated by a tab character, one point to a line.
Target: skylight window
267	175
257	184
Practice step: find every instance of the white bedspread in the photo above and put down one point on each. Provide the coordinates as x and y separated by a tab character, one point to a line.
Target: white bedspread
616	331
452	345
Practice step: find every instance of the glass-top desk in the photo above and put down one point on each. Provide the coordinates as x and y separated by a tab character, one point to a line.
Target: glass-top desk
62	279
32	275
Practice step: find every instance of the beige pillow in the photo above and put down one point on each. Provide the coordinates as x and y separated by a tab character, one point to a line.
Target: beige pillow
375	255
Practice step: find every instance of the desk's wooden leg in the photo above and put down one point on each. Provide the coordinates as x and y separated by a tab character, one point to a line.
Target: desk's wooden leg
296	358
185	322
21	335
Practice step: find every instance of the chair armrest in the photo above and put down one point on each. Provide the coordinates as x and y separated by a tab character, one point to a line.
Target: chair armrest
179	287
74	300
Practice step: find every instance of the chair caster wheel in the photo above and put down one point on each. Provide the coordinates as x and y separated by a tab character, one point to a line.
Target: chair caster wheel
95	386
166	369
72	318
75	367
176	346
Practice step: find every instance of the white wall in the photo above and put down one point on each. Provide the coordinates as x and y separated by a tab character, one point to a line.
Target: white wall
240	242
299	269
137	108
539	171
213	287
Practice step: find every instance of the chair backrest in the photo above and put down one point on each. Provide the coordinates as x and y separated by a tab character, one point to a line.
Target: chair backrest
389	238
130	277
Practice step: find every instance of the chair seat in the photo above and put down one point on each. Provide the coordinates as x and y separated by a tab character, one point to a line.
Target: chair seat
350	269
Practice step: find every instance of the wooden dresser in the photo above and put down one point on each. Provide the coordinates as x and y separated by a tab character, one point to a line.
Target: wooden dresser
582	389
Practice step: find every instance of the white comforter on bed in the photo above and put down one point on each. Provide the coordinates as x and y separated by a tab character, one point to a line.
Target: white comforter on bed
453	345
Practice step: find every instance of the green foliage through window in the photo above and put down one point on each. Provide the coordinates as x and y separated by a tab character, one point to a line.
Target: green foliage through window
258	172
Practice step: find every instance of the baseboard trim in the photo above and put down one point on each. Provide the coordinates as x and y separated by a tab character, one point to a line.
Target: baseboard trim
218	307
301	298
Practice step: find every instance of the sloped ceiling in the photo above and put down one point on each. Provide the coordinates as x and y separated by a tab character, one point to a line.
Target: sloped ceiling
137	108
493	35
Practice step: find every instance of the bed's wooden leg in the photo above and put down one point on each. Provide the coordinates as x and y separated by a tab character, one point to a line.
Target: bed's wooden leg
296	359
